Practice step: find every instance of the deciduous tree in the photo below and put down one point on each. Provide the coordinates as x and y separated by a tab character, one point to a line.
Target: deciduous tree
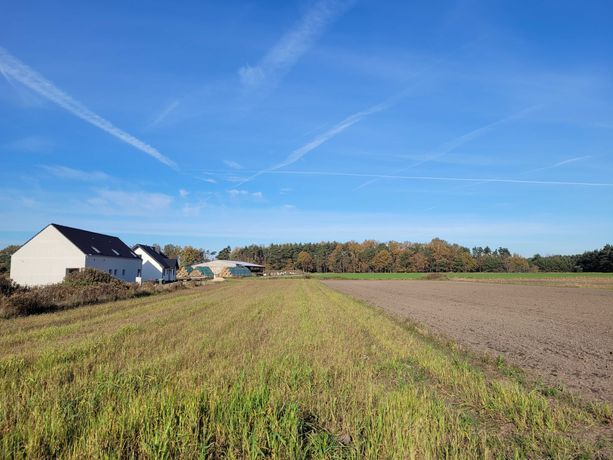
190	256
305	262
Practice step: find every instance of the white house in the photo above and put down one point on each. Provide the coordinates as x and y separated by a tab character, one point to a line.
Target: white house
57	250
156	266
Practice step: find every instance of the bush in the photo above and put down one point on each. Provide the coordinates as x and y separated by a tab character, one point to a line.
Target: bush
27	302
80	288
89	276
7	286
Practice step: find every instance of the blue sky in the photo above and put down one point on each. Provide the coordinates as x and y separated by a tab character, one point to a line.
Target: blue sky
483	123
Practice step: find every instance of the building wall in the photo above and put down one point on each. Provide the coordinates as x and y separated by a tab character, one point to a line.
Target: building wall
45	258
170	274
152	270
121	268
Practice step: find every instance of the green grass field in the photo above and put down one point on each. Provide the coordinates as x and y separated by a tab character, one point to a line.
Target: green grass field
477	276
282	369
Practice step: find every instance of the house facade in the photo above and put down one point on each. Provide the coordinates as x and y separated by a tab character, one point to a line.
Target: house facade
156	266
58	250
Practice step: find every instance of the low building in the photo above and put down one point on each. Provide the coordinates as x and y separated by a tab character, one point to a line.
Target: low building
57	250
156	265
217	266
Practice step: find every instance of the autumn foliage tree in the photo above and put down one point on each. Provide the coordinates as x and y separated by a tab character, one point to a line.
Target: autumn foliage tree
305	262
382	261
190	255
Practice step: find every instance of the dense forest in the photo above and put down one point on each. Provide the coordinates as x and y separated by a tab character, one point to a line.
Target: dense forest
436	256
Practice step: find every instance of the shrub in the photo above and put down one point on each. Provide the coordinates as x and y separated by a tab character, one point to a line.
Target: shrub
89	276
27	302
80	288
7	286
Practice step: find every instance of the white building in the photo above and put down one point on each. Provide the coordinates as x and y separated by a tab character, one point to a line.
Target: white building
217	266
57	250
156	266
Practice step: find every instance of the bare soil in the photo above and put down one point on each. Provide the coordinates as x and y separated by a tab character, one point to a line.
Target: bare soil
564	335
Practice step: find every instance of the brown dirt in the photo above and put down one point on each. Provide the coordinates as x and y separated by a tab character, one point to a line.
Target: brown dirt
564	335
578	282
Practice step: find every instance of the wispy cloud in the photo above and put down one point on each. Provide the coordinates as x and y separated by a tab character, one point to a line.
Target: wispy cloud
459	141
235	193
64	172
232	164
17	70
285	53
184	193
321	139
32	144
130	202
164	113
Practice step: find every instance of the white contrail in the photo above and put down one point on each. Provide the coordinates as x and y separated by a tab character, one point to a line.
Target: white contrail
358	116
555	165
164	113
453	144
429	178
571	160
17	70
450	179
285	53
321	139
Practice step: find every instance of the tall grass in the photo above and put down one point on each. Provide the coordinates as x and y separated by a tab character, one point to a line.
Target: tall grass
282	369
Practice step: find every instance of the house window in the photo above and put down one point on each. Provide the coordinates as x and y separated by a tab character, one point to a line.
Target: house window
138	272
110	271
115	272
123	272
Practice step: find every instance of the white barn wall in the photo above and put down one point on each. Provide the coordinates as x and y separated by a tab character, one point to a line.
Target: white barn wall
45	258
117	265
152	270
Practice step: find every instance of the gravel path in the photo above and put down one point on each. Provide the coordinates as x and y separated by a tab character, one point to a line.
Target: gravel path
563	334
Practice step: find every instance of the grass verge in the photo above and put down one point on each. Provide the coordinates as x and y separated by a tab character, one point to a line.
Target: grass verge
282	369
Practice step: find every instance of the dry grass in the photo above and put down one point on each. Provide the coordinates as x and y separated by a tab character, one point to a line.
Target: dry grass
282	369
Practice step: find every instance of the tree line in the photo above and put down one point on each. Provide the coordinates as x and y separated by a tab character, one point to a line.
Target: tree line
436	256
373	256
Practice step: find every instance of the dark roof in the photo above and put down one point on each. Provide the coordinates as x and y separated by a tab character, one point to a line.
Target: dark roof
159	257
96	244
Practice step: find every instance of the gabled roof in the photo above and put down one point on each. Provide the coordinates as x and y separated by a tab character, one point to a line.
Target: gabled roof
96	244
159	257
